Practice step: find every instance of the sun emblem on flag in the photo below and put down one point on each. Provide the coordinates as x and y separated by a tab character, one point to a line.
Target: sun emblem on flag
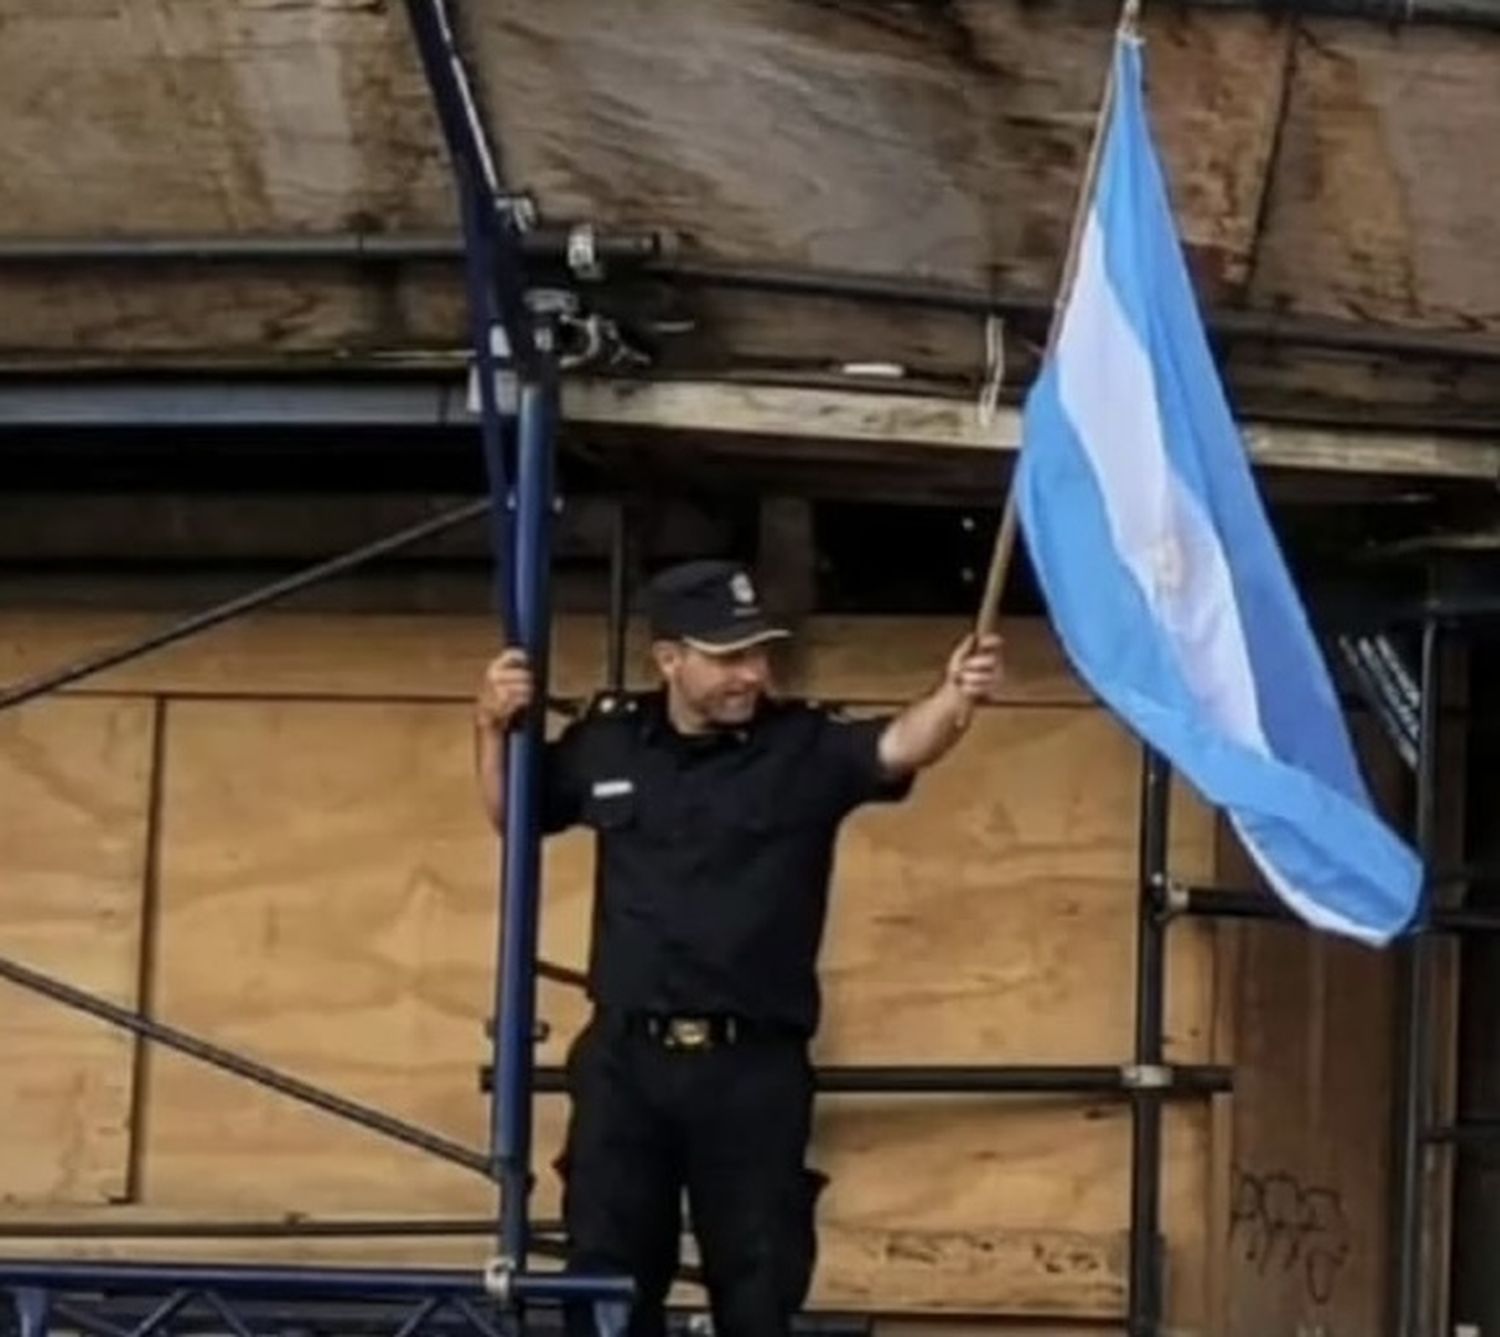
1170	566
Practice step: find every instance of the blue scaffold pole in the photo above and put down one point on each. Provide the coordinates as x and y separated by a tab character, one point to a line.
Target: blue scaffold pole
515	1000
522	493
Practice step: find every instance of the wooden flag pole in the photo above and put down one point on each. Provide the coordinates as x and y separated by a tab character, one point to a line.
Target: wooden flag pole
1005	538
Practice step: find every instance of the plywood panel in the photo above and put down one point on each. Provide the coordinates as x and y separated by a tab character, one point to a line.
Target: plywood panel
1305	1231
992	916
75	775
1307	1234
327	905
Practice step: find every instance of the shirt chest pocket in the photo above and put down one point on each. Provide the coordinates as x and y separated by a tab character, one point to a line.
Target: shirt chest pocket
611	805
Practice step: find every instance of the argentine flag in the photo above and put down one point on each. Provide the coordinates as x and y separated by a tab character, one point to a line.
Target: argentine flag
1161	573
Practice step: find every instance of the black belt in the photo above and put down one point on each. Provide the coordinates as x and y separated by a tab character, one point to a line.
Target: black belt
694	1030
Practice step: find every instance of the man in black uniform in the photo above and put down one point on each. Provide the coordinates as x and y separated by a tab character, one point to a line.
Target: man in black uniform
716	808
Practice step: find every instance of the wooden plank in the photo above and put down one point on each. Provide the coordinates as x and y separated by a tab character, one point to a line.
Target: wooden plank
783	414
1035	1271
971	1327
73	834
380	657
959	1271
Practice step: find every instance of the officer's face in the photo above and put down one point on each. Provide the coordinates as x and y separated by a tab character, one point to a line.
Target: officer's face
710	690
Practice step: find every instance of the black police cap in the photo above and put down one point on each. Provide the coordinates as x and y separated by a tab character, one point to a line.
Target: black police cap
712	605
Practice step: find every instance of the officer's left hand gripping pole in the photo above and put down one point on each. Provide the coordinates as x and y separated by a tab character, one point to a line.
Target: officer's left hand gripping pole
522	541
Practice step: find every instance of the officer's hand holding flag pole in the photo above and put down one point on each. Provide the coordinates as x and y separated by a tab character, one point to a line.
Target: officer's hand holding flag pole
1158	565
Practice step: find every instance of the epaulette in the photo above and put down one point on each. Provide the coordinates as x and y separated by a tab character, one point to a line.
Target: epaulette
613	705
831	710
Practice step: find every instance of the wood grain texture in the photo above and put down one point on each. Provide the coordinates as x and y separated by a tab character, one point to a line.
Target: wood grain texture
1375	211
943	141
1306	1231
327	906
253	315
794	133
72	847
1016	1271
991	917
183	115
350	944
862	426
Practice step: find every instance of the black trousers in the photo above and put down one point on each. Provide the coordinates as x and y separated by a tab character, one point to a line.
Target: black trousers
728	1126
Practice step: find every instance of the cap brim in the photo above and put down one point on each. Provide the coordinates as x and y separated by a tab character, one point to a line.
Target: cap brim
736	638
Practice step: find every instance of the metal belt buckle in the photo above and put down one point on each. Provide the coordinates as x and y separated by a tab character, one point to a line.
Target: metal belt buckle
688	1033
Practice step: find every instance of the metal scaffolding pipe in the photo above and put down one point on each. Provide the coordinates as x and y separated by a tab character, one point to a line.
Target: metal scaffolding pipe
1397	13
1413	1039
354	1283
652	254
545	244
937	1079
1218	903
68	674
515	992
288	1228
227	1060
1145	1282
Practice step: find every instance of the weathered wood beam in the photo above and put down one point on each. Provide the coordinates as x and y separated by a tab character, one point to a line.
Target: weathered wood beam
879	421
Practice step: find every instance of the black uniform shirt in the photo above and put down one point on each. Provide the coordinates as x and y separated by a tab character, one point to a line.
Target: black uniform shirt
714	852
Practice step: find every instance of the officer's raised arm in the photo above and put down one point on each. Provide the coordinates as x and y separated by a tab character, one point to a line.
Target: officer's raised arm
923	732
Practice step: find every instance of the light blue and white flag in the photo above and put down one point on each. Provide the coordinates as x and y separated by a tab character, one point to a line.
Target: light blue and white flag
1161	573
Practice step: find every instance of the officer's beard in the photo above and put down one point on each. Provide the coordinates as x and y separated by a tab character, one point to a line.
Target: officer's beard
713	709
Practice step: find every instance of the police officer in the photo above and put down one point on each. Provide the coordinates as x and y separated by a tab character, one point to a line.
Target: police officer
716	808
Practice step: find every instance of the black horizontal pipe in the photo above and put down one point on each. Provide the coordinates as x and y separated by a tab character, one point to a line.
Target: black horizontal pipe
227	1060
351	1283
1212	903
1460	13
119	1316
655	258
291	1228
1466	1132
995	1079
894	290
542	244
550	970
